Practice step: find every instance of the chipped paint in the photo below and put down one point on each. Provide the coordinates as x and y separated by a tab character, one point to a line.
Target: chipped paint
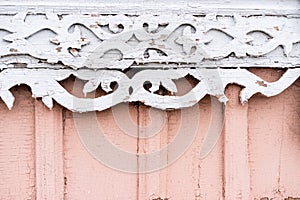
44	83
97	47
84	40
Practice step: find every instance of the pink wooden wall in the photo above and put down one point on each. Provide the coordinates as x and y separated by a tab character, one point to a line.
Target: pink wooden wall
256	157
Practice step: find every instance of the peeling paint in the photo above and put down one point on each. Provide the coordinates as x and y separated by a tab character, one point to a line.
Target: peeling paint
90	37
99	47
44	83
261	83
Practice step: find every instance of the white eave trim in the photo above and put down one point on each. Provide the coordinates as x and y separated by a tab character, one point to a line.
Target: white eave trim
44	42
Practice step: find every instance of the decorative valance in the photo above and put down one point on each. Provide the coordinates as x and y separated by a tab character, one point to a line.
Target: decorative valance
142	52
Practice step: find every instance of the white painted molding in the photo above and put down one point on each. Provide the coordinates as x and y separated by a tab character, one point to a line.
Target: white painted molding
40	48
120	41
43	83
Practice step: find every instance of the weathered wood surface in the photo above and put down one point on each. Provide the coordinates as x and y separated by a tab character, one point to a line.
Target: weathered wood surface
271	7
110	73
121	41
49	152
44	84
40	49
17	148
257	155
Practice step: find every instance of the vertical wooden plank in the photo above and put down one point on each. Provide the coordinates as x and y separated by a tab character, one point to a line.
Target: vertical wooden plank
189	177
237	171
49	151
152	185
274	141
17	170
89	178
86	177
210	169
265	127
290	143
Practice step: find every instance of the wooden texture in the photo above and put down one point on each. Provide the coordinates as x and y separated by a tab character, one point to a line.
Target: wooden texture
274	142
44	83
236	167
122	41
86	177
119	100
17	149
49	152
43	157
41	49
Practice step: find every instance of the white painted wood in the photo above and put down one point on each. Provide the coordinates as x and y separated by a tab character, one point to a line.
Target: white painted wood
212	41
152	6
105	41
44	83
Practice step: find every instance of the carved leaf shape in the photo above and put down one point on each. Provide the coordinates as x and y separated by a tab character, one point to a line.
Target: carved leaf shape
105	85
258	38
218	38
91	86
169	85
154	87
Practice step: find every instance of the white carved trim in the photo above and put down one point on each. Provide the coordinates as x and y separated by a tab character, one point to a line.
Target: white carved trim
40	48
105	41
44	83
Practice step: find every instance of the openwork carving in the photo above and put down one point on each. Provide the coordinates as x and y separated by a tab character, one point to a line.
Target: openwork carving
100	49
43	83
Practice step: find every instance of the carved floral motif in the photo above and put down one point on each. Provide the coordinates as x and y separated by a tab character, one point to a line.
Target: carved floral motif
215	50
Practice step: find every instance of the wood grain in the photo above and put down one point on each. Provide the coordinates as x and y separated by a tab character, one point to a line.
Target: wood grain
86	177
17	168
256	157
49	152
274	142
236	168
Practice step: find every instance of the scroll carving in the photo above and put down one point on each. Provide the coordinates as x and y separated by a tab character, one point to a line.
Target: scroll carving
40	50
